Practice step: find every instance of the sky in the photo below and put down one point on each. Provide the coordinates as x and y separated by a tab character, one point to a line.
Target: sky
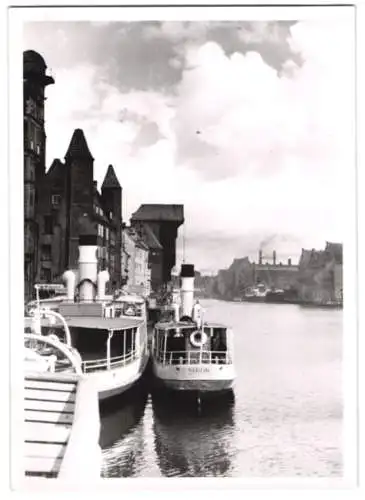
249	124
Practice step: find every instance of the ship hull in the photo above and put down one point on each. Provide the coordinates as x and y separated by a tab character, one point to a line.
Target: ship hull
254	299
210	386
114	382
197	378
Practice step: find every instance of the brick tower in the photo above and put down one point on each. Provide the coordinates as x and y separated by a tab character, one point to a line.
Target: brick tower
111	193
79	165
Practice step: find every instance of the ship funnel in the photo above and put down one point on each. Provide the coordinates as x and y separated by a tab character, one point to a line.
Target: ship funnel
88	267
103	278
187	289
69	277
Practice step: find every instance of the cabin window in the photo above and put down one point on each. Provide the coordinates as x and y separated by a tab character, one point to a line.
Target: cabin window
175	343
132	309
219	339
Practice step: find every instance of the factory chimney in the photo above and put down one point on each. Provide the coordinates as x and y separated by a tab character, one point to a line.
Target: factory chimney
260	257
274	257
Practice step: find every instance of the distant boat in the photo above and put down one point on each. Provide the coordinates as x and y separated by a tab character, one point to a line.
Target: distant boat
255	294
276	296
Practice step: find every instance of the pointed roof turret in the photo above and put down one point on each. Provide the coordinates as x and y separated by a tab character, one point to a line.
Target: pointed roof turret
78	147
110	179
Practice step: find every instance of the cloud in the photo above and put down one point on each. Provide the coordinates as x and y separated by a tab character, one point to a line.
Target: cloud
250	151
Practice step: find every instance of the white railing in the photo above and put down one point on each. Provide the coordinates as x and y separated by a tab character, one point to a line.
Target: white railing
193	357
105	364
72	357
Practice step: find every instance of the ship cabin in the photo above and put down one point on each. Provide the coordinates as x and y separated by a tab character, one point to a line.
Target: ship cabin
177	343
107	334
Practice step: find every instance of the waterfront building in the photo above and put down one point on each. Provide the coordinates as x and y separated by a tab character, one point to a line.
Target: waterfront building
243	274
35	81
158	224
138	273
274	274
71	205
320	274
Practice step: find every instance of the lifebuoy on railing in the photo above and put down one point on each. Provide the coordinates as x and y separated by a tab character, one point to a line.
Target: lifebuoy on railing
198	338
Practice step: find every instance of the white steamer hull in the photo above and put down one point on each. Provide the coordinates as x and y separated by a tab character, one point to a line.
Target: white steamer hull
112	382
202	378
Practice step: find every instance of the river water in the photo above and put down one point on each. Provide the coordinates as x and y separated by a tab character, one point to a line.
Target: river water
285	418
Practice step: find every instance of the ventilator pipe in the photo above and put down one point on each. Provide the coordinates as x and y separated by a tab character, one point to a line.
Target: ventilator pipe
88	267
187	289
176	309
103	278
69	277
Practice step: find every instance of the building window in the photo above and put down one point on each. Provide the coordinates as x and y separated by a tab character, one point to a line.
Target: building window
107	233
56	200
29	169
48	224
46	274
112	238
46	252
100	230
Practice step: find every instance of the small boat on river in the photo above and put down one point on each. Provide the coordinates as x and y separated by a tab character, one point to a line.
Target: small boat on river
188	353
257	293
109	332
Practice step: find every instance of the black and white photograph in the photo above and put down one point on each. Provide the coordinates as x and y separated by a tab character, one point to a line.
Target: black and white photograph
185	279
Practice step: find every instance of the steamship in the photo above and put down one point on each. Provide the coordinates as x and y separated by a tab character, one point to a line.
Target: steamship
189	354
109	332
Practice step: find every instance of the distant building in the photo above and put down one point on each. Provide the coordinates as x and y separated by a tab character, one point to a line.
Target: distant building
268	270
158	225
138	273
320	274
35	80
243	274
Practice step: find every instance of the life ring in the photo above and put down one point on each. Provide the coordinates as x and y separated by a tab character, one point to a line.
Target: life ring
198	338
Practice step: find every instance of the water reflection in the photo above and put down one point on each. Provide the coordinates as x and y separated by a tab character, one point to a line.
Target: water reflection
193	440
121	436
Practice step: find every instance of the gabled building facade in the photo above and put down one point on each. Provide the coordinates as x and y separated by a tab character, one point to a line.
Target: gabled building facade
138	273
70	206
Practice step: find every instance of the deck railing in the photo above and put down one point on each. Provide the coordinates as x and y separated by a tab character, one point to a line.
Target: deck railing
115	362
194	357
